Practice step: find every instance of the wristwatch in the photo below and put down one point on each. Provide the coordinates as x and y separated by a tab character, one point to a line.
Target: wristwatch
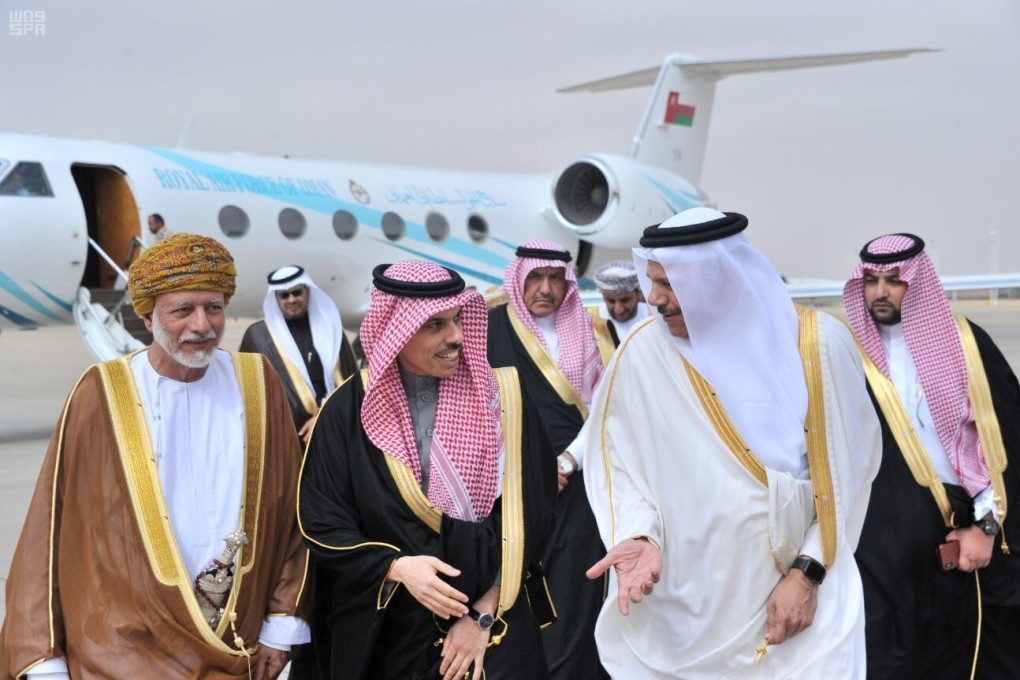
988	525
566	465
483	619
813	569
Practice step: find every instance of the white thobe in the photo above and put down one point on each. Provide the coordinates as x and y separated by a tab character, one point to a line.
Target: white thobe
656	467
197	432
904	376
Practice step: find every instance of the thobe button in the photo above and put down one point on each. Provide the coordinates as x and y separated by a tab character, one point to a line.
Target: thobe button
428	432
424	397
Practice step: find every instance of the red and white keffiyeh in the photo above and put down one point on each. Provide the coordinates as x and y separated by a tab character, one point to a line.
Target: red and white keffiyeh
579	357
467	437
934	343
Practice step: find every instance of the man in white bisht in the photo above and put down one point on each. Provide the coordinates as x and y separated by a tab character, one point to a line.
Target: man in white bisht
715	427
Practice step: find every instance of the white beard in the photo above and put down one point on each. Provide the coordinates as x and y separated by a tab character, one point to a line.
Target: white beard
199	359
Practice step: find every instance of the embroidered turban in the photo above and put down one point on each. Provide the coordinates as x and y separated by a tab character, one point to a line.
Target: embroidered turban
618	276
180	262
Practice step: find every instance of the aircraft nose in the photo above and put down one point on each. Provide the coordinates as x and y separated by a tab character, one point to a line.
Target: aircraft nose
43	254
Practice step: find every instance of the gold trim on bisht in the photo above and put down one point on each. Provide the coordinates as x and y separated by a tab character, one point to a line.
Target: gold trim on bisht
603	336
724	426
412	495
356	546
606	463
906	437
409	488
815	433
981	404
511	403
512	488
145	489
304	391
556	378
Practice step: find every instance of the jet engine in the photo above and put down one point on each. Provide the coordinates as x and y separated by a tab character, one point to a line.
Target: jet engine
608	200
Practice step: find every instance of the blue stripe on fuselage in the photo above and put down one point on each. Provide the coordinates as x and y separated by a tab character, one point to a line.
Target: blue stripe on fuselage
16	318
54	299
328	205
676	200
19	293
451	265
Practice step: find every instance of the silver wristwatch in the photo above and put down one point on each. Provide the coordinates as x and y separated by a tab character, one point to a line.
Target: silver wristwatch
483	619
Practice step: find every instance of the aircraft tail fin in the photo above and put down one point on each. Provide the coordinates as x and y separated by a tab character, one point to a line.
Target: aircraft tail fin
184	141
674	128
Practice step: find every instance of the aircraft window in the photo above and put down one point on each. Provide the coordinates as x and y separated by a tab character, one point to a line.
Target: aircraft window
437	227
478	228
26	179
345	225
292	223
393	226
234	222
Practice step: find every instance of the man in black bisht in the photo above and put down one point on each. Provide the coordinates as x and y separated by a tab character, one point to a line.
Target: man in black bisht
546	334
303	339
948	402
426	496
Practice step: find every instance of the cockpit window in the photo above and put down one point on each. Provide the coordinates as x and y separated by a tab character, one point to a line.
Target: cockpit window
26	179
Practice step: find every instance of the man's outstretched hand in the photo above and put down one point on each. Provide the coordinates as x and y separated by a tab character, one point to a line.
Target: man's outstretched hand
638	565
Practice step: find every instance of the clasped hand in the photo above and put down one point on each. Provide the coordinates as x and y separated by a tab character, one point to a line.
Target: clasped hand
975	547
420	575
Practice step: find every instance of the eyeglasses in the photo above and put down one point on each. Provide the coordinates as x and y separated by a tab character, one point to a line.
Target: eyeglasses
287	294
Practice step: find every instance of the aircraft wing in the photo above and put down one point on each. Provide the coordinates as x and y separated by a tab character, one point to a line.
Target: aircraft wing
823	288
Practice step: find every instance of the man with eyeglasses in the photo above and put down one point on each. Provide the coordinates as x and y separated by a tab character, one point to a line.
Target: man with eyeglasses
303	339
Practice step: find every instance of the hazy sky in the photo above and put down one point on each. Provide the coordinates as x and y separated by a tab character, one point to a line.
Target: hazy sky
820	160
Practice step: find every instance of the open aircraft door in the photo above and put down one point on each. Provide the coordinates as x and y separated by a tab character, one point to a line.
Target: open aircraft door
102	309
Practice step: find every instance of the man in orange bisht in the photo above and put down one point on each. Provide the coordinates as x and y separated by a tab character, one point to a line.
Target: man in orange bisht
161	541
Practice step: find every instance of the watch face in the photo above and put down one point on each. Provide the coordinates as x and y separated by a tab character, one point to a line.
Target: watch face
814	571
989	526
566	465
485	621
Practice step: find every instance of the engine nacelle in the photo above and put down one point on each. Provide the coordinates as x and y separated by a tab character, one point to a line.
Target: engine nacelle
608	200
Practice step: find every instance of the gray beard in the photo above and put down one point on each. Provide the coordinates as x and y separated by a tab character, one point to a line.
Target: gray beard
199	359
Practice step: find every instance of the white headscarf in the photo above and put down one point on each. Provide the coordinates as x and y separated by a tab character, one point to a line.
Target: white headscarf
323	317
743	335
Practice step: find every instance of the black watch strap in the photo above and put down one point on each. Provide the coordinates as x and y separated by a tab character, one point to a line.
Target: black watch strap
988	525
483	619
813	569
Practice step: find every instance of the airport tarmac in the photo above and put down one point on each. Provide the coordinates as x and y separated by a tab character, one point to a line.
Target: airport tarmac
38	369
